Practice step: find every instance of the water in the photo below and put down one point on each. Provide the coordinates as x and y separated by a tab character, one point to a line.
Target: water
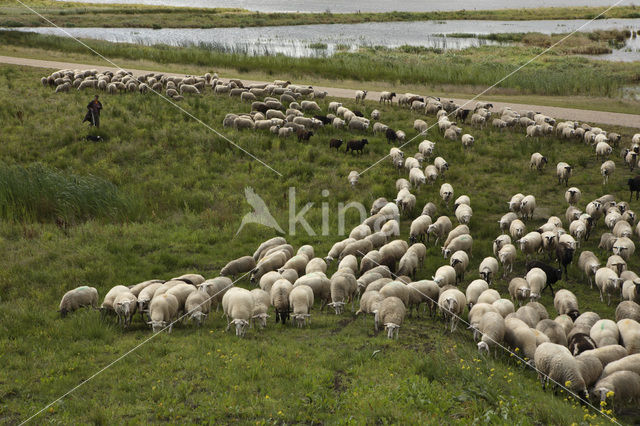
346	6
300	40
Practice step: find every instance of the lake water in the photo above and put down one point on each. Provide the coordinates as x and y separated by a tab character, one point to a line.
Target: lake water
324	40
345	6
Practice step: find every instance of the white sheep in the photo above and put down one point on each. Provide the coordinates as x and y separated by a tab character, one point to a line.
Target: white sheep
623	247
507	256
463	213
500	242
451	304
555	362
492	328
474	290
163	310
125	305
344	288
462	242
197	305
621	386
537	280
78	298
530	243
360	95
301	302
607	282
566	303
538	161
459	261
563	172
517	229
391	312
572	196
527	207
629	335
446	192
605	332
445	275
467	140
238	305
488	269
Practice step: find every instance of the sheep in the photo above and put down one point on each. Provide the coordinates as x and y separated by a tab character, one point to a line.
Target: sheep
353	177
197	305
238	305
622	229
463	213
518	335
301	302
572	196
459	230
459	261
445	275
530	243
446	193
125	305
517	229
145	295
489	296
624	248
109	298
462	242
566	303
603	149
504	307
506	220
343	289
216	288
554	331
474	290
628	363
537	280
451	303
163	311
488	269
239	266
607	240
527	207
631	289
607	354
439	228
78	298
607	282
390	312
605	332
507	256
500	242
189	88
629	333
554	362
617	264
417	177
621	386
361	95
396	289
426	147
419	228
492	328
467	140
182	292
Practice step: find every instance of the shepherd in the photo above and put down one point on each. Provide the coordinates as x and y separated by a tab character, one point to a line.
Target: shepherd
93	112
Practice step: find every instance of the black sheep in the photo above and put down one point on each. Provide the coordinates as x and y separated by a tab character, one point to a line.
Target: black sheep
553	274
356	145
462	114
564	255
581	342
358	113
391	135
304	135
325	120
335	143
634	186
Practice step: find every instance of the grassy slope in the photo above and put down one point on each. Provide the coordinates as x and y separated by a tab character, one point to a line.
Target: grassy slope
552	74
191	184
88	15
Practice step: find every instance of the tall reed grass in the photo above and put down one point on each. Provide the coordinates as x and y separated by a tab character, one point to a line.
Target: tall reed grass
40	193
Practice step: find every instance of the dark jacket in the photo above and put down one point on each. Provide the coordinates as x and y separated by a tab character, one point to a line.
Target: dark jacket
94	106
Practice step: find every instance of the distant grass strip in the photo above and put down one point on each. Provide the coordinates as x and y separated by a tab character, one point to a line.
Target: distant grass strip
142	16
39	193
553	74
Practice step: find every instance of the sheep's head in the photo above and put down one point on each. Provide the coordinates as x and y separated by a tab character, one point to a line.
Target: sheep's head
198	317
574	314
483	347
337	306
299	319
392	329
241	326
157	326
446	252
525	292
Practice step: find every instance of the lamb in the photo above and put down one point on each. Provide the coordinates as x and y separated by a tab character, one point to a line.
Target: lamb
527	207
488	269
343	289
78	298
557	364
451	304
492	328
605	332
125	305
301	302
621	386
197	305
566	303
459	262
163	311
239	266
462	242
537	280
607	282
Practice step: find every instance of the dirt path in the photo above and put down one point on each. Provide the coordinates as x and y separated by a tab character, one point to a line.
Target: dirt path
589	116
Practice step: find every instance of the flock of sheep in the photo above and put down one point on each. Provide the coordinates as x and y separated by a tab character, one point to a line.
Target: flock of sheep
578	350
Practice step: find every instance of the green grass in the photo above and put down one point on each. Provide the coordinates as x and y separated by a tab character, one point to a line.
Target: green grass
553	74
93	15
190	185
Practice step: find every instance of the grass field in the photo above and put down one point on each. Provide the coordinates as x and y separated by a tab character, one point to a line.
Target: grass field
177	191
141	16
555	73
